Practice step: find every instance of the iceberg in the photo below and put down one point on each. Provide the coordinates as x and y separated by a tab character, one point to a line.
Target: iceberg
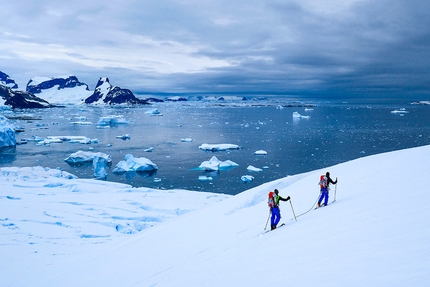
214	164
260	152
132	163
7	133
112	120
100	164
86	156
218	147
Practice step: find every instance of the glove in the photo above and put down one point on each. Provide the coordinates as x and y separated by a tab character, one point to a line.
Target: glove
288	198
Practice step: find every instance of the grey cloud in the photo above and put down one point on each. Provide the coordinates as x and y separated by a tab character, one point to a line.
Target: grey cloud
271	46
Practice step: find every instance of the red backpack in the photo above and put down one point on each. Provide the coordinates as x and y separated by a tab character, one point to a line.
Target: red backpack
323	181
271	200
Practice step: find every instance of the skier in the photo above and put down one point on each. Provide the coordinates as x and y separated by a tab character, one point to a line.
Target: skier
324	184
274	199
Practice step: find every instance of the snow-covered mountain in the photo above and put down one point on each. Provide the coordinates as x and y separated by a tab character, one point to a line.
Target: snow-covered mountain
5	80
105	93
64	232
59	90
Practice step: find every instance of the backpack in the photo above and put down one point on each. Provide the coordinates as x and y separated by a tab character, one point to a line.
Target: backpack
271	201
323	181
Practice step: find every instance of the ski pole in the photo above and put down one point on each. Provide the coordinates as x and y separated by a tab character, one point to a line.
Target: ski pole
267	220
335	189
293	210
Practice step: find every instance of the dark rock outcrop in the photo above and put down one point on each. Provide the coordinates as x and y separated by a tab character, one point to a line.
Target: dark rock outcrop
22	100
6	81
105	93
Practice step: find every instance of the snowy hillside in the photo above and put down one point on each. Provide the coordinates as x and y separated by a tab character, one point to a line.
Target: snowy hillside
60	89
377	233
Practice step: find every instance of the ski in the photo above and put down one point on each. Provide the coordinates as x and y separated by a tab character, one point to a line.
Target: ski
275	228
320	206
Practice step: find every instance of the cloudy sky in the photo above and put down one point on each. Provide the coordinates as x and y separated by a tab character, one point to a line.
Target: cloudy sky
313	47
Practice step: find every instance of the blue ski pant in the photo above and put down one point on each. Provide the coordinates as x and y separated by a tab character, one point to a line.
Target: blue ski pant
276	216
324	195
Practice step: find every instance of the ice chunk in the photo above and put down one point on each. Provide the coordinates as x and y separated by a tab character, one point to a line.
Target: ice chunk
86	156
401	111
82	123
187	140
112	120
260	152
205	178
218	147
215	164
296	115
71	139
247	178
7	133
253	168
124	137
100	164
134	164
153	112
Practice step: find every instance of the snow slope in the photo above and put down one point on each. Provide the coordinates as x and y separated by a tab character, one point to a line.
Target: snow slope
377	233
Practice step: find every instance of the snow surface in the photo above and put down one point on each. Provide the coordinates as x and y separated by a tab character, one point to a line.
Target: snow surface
73	232
73	96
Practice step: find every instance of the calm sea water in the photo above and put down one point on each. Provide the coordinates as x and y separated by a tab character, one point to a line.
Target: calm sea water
335	132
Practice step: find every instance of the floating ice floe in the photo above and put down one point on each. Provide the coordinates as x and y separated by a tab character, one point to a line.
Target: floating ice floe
153	112
421	103
401	111
60	139
215	164
253	168
260	152
308	109
187	140
86	156
205	178
82	123
247	178
124	137
296	115
132	163
218	147
112	121
150	149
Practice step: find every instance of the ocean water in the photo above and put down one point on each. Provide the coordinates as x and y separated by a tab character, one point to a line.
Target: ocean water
335	132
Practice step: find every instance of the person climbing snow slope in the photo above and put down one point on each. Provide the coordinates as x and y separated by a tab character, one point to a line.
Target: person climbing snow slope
324	185
273	202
